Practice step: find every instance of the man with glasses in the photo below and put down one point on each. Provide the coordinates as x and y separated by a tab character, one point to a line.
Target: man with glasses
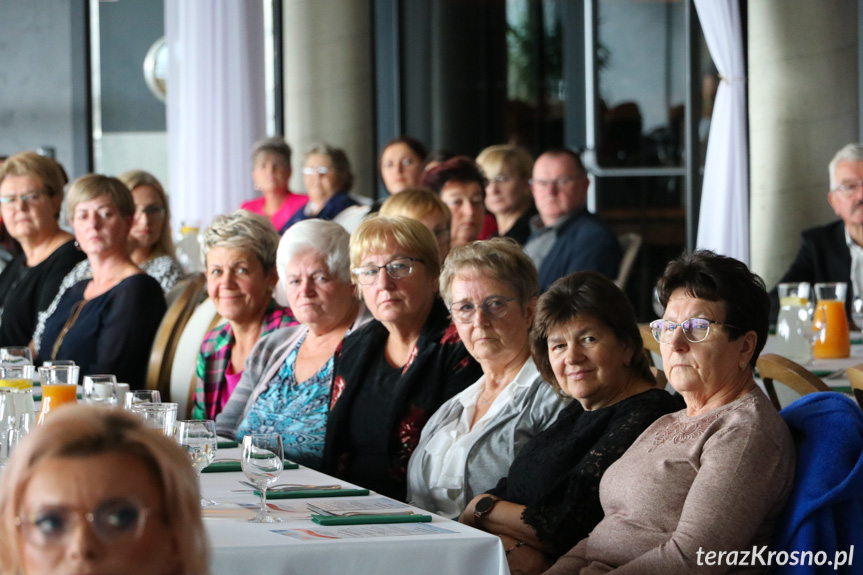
565	237
834	253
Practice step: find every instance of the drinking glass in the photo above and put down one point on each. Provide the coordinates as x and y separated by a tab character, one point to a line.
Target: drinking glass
857	312
142	396
16	376
18	355
158	416
8	423
198	438
100	390
830	324
59	387
794	323
57	363
262	465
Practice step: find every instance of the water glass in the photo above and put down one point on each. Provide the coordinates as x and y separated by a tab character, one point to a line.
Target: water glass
198	438
16	376
262	465
16	355
100	390
158	416
8	423
142	396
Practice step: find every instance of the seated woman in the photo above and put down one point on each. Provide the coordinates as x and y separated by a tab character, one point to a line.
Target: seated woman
714	476
427	208
461	185
585	341
92	490
31	192
507	195
470	442
285	387
271	172
149	240
392	374
328	179
239	250
105	324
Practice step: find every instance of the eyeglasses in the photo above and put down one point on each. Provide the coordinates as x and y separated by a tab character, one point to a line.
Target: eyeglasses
560	182
399	268
501	179
320	171
695	329
26	198
151	211
848	187
493	307
113	521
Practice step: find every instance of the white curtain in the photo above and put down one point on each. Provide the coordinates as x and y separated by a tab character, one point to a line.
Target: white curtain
723	223
216	104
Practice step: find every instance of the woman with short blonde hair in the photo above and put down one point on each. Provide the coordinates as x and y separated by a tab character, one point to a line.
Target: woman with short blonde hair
426	207
507	194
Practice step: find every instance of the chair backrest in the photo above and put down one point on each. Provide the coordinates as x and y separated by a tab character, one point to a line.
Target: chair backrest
185	298
855	377
182	380
630	243
773	368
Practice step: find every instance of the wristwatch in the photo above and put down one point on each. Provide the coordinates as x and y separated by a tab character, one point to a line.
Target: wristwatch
484	506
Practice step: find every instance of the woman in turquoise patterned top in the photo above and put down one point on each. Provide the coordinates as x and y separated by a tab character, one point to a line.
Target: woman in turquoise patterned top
285	387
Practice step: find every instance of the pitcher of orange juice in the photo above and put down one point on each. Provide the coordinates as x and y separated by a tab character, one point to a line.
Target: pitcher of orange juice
830	323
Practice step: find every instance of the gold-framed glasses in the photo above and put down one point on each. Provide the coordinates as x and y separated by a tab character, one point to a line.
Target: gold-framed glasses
695	329
398	268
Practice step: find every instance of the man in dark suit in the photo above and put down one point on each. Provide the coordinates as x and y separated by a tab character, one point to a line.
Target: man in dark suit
833	253
565	237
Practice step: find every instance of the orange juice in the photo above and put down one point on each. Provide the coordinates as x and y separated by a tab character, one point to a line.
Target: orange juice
53	396
830	320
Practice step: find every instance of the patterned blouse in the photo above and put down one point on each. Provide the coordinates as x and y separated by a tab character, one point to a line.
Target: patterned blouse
211	388
297	411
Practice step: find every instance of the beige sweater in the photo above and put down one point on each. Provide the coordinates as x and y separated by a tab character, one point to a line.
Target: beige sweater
713	482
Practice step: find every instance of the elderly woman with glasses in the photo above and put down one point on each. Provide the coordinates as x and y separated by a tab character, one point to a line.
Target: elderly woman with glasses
328	179
714	476
585	341
286	385
105	324
393	373
469	443
239	250
31	192
94	491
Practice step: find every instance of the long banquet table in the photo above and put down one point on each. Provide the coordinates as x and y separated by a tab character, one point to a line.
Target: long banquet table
299	546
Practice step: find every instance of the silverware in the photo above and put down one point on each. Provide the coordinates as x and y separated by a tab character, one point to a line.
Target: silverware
321	511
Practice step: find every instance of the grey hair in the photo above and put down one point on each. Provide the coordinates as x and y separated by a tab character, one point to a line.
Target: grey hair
852	153
275	145
327	238
242	230
341	164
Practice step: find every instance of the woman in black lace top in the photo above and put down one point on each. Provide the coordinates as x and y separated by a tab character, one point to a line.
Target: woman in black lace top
585	341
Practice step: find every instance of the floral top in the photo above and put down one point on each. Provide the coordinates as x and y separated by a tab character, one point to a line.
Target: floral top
297	411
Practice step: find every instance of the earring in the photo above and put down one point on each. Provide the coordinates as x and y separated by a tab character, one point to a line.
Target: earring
77	246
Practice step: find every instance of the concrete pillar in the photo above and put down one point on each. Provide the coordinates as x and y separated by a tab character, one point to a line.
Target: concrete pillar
803	107
329	83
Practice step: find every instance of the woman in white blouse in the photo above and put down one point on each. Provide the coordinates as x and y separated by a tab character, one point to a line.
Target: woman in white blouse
491	289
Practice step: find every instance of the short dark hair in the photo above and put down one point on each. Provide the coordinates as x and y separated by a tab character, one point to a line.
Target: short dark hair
593	295
575	156
705	275
415	146
458	169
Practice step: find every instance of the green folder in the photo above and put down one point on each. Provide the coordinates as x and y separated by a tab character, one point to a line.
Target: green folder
228	444
302	493
223	466
369	519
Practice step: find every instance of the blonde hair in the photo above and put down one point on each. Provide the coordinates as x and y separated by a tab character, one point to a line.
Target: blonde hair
47	171
517	159
134	178
416	203
242	230
83	431
94	186
498	258
373	235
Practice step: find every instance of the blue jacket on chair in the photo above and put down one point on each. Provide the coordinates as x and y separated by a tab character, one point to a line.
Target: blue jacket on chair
825	509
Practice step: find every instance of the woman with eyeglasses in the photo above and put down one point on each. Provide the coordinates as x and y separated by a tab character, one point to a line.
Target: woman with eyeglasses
31	193
507	194
94	491
586	343
105	324
469	443
714	476
328	179
393	373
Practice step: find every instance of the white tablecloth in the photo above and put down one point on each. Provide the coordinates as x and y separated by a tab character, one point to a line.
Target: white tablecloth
247	548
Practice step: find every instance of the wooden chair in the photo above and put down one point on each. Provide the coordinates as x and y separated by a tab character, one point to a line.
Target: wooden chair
182	381
167	337
630	243
855	377
650	343
775	368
